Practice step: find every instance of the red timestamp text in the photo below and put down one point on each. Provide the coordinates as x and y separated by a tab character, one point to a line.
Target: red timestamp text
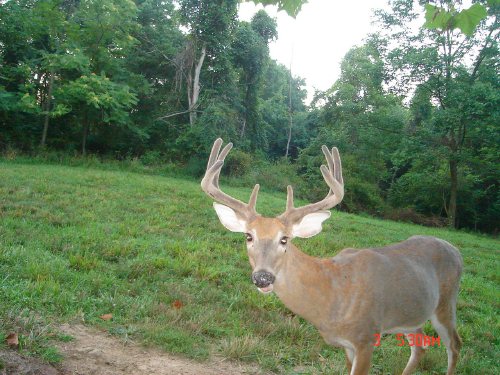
414	339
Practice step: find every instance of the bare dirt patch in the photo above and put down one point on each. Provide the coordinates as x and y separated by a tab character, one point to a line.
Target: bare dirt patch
13	363
96	352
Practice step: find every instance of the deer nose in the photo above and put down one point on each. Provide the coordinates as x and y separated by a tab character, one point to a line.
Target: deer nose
261	279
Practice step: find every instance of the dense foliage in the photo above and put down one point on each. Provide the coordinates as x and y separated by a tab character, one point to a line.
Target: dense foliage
415	111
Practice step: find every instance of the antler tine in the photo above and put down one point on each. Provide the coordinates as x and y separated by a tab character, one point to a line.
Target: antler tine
338	165
289	197
253	198
220	159
214	153
210	182
332	176
328	157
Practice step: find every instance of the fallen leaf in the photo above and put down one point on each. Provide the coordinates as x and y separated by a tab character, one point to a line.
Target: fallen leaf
177	304
12	340
106	317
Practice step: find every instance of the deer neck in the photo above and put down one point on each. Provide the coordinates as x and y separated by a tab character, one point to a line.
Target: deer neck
307	286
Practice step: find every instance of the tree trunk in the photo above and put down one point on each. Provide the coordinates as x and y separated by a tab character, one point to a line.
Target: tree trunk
86	127
47	110
452	207
194	94
289	134
290	114
243	127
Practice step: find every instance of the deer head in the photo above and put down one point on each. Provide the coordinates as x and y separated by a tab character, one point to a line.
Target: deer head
269	238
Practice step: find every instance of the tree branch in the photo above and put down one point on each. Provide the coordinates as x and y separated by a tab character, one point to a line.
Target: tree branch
481	55
178	113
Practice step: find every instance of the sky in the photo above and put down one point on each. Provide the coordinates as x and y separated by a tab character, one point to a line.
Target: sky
315	42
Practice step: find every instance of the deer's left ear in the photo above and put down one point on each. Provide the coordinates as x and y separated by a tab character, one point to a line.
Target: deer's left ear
310	224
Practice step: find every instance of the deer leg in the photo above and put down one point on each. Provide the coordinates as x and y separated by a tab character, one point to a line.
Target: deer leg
444	324
416	353
362	360
349	356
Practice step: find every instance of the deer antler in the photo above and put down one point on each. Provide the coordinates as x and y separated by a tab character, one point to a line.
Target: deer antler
210	183
333	177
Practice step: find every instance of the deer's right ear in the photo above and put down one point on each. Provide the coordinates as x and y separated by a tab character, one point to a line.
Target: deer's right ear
229	219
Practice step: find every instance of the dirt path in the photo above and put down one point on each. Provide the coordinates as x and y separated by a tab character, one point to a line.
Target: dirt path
93	352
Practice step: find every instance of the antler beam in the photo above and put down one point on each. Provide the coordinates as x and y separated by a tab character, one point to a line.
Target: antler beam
333	177
210	183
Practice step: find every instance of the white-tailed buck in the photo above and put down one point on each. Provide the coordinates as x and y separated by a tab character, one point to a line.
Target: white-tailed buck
356	295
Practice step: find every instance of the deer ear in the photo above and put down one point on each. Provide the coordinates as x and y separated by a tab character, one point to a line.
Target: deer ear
229	219
310	224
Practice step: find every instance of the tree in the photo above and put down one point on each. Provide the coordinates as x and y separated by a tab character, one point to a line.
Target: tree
251	54
435	59
210	24
99	101
365	122
31	35
279	90
102	93
152	65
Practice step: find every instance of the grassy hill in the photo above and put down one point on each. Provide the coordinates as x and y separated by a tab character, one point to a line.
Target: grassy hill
77	243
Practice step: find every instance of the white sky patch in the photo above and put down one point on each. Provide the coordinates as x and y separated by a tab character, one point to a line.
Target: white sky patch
316	41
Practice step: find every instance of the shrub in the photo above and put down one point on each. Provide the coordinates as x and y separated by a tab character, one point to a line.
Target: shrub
195	166
408	214
152	158
362	196
271	176
238	163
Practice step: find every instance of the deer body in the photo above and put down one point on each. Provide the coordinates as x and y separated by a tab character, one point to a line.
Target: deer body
356	294
345	294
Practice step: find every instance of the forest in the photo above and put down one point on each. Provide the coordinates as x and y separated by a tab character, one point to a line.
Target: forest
415	112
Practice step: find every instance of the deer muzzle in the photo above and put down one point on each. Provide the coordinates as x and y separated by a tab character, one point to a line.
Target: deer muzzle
263	280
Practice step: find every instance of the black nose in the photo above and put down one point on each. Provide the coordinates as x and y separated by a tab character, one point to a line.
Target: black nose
262	278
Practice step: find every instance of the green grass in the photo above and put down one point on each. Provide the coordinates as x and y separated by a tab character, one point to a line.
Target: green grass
77	242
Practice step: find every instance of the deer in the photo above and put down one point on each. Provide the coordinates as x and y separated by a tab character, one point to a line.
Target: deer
358	293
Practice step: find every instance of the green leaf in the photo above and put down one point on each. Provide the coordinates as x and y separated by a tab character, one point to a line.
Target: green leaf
468	19
437	18
292	7
60	110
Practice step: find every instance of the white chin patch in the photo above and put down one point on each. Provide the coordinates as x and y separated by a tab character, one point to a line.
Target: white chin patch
267	289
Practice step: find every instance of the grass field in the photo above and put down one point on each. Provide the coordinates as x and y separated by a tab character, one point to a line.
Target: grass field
77	243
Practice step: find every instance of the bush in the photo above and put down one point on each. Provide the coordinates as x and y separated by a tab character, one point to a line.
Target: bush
272	177
423	191
410	215
152	158
238	163
195	166
155	163
362	196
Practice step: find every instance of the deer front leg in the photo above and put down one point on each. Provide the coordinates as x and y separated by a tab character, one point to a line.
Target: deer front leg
362	360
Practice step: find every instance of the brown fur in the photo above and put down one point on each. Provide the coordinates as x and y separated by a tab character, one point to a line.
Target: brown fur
359	293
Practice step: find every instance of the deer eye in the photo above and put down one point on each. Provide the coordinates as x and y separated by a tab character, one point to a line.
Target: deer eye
284	240
249	237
